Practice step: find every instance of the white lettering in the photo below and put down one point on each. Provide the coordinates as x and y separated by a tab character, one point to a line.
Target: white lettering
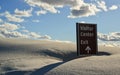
84	42
86	28
88	34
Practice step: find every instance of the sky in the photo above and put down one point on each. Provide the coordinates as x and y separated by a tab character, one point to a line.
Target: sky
56	19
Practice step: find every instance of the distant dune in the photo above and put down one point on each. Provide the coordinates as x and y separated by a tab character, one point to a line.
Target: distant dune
48	57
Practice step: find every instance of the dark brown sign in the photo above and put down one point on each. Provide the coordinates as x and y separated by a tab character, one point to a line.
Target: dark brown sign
86	39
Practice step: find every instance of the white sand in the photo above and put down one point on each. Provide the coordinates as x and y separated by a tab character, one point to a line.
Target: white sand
39	57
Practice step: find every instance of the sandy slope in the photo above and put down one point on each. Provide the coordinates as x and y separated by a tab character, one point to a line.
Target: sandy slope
94	65
28	55
39	57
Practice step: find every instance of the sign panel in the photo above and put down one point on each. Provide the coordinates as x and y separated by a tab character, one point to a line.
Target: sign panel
86	39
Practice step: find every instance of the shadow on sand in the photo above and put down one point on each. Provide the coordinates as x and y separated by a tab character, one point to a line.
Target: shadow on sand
45	69
70	56
40	71
17	73
103	53
65	57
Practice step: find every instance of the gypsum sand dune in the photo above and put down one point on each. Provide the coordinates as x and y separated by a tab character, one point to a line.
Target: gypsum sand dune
53	58
25	54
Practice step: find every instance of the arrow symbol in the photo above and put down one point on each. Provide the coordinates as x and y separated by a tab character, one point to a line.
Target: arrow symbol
88	49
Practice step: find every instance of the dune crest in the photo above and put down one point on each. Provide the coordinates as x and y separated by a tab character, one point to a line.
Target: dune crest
34	57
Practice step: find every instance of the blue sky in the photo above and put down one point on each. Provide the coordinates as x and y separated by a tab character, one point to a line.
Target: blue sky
56	19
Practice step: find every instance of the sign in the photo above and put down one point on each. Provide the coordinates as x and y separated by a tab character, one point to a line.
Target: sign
86	39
